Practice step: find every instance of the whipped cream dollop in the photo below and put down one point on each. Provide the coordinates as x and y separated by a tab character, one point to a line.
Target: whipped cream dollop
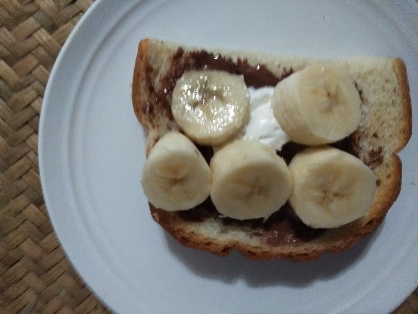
262	125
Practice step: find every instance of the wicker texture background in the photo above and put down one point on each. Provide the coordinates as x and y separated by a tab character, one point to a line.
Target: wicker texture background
36	276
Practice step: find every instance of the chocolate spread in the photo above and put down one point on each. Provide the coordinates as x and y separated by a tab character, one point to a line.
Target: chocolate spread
283	227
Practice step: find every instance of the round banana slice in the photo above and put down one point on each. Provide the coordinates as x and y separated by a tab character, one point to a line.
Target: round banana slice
317	105
210	106
330	187
175	175
249	180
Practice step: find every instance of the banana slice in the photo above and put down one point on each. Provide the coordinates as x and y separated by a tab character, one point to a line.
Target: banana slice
330	187
210	106
317	105
175	175
249	180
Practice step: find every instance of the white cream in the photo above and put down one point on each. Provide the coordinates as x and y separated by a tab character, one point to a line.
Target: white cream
263	126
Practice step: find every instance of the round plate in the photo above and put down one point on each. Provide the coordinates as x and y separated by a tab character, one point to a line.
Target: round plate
92	149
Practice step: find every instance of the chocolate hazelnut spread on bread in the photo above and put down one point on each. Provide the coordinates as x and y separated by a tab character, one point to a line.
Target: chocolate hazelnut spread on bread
283	235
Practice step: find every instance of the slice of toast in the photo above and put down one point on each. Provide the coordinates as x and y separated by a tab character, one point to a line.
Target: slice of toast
384	130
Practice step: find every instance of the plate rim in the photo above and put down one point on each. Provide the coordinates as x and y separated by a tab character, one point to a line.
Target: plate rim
49	89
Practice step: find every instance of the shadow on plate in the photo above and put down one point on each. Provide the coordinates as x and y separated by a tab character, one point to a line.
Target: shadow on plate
269	273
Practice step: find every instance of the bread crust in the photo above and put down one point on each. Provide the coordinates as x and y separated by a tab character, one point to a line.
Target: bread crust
156	58
406	127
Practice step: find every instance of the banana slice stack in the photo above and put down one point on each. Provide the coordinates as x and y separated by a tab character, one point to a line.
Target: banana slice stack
210	106
246	179
249	180
176	176
330	187
318	105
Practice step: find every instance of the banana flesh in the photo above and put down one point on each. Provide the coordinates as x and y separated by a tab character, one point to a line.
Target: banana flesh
175	174
330	187
249	180
210	106
246	179
317	105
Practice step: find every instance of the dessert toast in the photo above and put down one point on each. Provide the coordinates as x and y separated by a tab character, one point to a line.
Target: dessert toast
384	129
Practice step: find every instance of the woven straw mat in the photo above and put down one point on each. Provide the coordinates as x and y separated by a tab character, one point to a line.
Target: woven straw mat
36	276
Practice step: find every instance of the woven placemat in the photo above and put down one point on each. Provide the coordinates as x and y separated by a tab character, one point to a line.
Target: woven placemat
36	276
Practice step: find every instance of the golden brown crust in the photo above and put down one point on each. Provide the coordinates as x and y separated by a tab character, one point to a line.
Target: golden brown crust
221	239
406	127
139	76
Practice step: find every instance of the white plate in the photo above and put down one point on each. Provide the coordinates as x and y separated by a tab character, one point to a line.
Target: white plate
91	152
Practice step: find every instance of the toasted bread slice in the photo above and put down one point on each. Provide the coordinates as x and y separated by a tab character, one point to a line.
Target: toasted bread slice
384	130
